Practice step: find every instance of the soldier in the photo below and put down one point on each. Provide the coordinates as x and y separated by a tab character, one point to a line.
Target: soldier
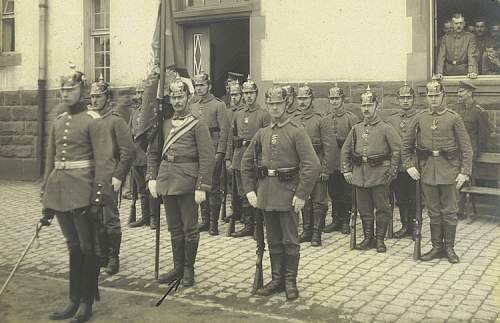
370	160
483	39
404	187
444	154
183	179
341	122
325	145
247	121
291	106
212	112
288	169
75	187
123	156
231	78
476	123
458	54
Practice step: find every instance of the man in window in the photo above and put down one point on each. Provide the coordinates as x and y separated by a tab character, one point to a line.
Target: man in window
458	52
447	29
483	39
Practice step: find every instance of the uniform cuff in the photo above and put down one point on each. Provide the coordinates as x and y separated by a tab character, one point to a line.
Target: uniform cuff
98	196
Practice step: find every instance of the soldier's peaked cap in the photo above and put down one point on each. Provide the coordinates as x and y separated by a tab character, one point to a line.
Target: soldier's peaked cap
466	86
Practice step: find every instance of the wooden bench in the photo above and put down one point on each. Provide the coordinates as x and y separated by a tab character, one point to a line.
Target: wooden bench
488	165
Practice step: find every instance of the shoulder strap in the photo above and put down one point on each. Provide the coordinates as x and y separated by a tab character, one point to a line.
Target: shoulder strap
174	136
94	114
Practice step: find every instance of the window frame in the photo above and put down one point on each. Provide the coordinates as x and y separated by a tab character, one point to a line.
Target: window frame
2	18
92	35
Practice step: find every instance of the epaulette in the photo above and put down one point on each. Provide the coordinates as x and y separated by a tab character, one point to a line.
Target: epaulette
61	115
94	114
480	108
217	99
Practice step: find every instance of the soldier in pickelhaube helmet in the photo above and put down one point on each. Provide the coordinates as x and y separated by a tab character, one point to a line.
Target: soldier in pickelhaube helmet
370	160
76	186
443	148
404	187
288	169
291	104
247	121
183	179
340	121
123	156
212	112
325	145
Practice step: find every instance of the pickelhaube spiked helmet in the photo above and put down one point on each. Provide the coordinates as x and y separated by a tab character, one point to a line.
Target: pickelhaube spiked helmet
73	79
99	87
275	94
406	90
335	92
202	78
368	97
234	87
249	85
177	88
140	86
304	91
434	87
290	90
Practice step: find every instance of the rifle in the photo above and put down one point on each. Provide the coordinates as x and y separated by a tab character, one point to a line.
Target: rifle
234	195
354	215
417	222
258	279
222	213
390	231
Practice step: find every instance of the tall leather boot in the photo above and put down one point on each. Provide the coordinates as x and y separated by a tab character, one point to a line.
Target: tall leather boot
75	273
114	241
369	241
437	250
291	269
235	207
277	283
213	229
145	212
405	230
178	255
336	224
307	222
381	232
205	216
319	214
450	232
248	229
90	277
190	250
345	218
132	217
155	213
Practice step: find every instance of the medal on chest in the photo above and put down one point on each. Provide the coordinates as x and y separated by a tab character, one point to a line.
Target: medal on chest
274	139
365	135
402	124
434	124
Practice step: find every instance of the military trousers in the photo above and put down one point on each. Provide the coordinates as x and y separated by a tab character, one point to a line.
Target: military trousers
458	69
441	202
340	192
182	217
139	178
282	232
371	198
404	188
239	187
78	230
111	216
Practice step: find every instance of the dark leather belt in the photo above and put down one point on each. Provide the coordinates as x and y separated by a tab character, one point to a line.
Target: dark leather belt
456	62
241	143
180	159
214	129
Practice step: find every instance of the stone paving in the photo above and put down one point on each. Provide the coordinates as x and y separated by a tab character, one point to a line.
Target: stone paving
356	286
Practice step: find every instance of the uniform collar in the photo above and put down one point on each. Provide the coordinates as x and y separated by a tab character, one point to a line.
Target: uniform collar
458	35
280	124
372	122
408	113
431	112
339	113
251	108
182	117
307	114
209	97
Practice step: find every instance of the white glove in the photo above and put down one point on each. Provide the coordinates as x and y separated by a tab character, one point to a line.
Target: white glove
152	188
199	196
472	75
116	183
413	172
298	204
252	198
348	177
461	179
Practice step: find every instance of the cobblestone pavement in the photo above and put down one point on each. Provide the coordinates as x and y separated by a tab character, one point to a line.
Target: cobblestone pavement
335	284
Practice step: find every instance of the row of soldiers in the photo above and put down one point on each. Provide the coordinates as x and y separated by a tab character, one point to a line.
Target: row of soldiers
283	159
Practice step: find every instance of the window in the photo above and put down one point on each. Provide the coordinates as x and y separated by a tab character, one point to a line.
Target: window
7	28
100	40
476	49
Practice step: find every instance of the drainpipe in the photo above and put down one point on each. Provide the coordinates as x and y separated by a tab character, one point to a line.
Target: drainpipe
42	83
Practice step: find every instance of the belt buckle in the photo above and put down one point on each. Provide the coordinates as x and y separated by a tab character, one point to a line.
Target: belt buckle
271	172
364	159
454	62
435	153
170	158
62	165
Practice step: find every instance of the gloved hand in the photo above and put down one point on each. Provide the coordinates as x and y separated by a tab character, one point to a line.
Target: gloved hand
47	216
413	172
229	166
461	179
472	75
324	177
298	204
200	196
116	183
152	188
252	198
348	177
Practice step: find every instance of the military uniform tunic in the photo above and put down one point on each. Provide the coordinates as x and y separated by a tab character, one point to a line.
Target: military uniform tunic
458	54
476	123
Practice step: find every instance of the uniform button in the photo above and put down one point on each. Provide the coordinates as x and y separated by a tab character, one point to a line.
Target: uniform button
69	117
65	137
67	123
97	200
64	151
63	158
66	130
98	192
65	144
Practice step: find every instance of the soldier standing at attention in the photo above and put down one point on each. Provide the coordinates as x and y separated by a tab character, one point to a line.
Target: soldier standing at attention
325	145
288	169
77	184
370	160
444	153
341	122
123	156
212	112
182	180
247	121
404	187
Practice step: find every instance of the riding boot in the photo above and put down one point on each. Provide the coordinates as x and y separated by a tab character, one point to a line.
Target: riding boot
381	232
205	216
155	212
369	241
336	224
345	218
178	255
404	231
145	212
214	219
307	222
277	283
291	269
190	250
450	232
90	277
75	273
437	250
319	214
114	241
248	229
133	211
